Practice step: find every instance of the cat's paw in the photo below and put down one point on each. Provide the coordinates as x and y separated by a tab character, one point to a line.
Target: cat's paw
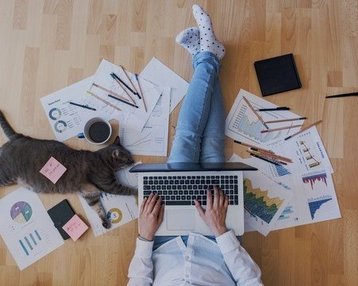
106	224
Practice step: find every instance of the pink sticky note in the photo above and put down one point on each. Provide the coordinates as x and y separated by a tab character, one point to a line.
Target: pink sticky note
53	170
75	227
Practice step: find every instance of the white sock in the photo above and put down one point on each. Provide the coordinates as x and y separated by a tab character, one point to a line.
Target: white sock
208	41
190	40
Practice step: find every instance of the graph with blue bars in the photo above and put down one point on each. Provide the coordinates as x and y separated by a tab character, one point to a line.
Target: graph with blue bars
279	170
315	204
30	241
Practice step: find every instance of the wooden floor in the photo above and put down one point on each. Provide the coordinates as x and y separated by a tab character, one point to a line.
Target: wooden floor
47	45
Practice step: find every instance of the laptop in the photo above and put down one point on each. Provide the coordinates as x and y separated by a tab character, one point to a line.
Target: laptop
179	183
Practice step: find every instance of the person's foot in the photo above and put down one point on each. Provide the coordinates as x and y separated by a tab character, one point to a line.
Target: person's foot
208	41
190	40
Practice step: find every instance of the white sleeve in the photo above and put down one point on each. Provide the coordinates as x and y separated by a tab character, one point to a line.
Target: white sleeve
242	267
141	268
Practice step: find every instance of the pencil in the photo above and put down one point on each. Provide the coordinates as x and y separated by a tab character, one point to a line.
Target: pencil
141	92
281	128
275	156
103	100
121	100
285	120
120	82
129	79
254	111
83	106
343	95
262	158
274	109
110	91
255	148
269	157
304	129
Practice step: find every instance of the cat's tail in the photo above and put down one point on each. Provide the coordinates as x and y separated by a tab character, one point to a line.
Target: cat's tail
9	132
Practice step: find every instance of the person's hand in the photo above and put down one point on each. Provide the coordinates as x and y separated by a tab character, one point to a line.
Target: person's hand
150	216
215	213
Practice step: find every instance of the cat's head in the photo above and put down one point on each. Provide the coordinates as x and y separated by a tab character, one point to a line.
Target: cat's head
118	155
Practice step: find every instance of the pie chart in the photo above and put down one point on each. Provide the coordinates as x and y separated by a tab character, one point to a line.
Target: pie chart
115	215
21	212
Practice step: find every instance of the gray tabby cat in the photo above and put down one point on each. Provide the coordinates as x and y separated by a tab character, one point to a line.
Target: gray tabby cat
90	173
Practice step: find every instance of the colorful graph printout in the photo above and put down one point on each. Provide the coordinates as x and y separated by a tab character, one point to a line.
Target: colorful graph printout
26	227
242	124
264	202
120	209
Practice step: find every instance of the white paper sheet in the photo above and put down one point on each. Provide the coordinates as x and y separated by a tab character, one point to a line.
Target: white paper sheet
153	139
161	75
67	120
242	124
26	228
131	117
121	209
314	197
264	200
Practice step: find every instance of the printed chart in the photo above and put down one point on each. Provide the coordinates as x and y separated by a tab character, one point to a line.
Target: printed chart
26	228
120	209
316	204
264	201
243	124
258	203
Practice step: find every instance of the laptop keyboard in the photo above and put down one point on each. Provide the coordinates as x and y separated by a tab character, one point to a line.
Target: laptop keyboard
182	190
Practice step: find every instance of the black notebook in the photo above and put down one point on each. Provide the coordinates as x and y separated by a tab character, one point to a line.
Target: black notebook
277	74
60	215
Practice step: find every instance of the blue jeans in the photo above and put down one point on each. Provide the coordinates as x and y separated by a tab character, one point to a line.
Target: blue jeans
200	131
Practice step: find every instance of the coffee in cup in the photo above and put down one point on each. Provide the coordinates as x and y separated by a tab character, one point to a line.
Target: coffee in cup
97	131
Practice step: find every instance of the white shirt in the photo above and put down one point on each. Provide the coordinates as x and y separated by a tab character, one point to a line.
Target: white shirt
201	262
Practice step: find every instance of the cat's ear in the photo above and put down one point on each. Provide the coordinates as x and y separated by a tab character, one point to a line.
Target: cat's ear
117	141
115	154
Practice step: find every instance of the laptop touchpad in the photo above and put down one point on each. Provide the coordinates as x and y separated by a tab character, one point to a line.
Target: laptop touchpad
180	219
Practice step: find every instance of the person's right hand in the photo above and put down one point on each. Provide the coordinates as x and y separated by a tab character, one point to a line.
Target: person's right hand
215	213
150	216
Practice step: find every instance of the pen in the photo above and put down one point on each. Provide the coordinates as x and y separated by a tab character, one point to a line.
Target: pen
118	78
343	95
121	100
264	159
83	106
140	89
274	109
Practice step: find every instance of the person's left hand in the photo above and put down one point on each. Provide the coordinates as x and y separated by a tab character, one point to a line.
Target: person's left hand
150	216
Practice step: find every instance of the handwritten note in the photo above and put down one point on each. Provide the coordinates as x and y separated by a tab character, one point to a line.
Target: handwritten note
53	170
75	227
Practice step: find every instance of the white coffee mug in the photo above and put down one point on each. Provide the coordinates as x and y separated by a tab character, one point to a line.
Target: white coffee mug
97	130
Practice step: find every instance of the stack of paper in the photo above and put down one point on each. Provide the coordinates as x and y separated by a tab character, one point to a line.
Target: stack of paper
281	196
144	130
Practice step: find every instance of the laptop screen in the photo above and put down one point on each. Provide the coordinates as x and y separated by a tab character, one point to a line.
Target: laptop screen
182	167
